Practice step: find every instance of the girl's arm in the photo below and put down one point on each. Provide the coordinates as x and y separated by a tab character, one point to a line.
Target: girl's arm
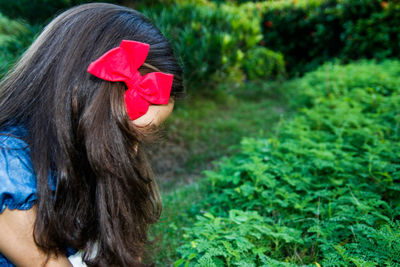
17	244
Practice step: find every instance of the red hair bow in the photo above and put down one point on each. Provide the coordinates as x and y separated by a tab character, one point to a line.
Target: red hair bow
121	64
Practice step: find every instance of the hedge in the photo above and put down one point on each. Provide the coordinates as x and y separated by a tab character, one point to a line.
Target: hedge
310	32
217	43
40	11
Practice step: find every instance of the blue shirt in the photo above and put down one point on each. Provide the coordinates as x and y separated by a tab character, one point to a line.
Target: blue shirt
17	176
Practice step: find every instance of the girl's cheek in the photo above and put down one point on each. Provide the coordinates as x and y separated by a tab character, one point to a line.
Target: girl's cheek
146	119
165	111
156	115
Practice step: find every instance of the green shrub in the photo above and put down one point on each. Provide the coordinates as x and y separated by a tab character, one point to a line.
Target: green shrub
262	63
332	81
39	11
15	36
240	239
309	33
214	41
217	43
325	189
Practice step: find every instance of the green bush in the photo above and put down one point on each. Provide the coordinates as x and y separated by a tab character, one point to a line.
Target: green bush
262	63
15	36
218	43
214	41
39	11
309	33
325	189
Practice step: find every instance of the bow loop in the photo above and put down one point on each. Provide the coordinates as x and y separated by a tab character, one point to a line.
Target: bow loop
156	87
121	64
136	52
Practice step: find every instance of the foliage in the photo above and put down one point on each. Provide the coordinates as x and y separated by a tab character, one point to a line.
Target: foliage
311	32
15	36
230	114
39	11
325	189
168	231
215	41
262	63
240	239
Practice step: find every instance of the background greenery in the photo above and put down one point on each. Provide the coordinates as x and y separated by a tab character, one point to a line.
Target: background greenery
286	151
324	189
311	32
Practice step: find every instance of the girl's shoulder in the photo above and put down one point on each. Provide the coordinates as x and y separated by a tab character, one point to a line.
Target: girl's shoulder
17	178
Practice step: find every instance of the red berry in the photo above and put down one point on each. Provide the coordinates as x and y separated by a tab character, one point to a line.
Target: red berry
268	24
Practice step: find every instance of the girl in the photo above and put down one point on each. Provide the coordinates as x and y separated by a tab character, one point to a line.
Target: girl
75	112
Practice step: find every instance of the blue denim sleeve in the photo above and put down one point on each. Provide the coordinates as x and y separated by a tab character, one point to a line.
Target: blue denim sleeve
17	178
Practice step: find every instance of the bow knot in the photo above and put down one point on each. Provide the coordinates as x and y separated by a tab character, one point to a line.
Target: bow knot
121	64
134	81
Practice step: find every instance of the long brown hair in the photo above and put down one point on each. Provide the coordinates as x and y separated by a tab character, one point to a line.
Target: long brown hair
79	133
